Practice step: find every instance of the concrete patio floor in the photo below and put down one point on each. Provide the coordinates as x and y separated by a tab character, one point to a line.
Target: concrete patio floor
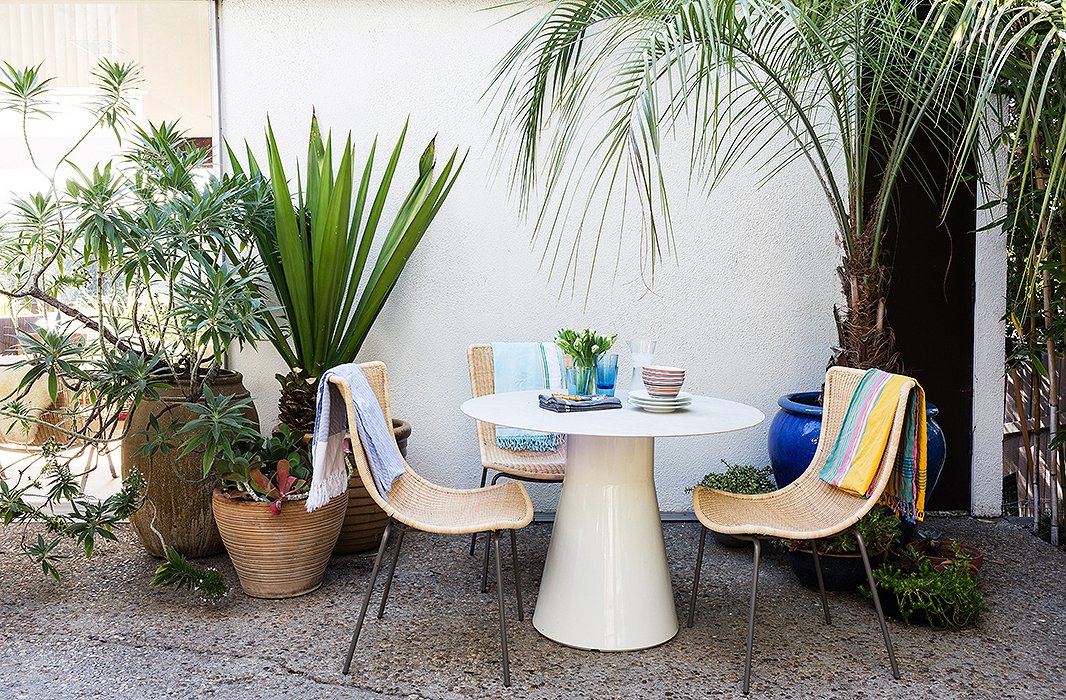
105	633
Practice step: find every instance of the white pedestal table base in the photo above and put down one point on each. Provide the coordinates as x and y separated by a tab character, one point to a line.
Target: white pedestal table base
606	584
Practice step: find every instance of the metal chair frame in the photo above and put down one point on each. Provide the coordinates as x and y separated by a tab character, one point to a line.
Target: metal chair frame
477	390
756	546
807	509
494	538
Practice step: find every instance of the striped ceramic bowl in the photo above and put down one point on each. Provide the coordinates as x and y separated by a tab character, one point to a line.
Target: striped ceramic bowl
663	381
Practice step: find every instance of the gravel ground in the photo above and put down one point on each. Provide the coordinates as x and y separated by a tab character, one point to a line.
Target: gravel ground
104	633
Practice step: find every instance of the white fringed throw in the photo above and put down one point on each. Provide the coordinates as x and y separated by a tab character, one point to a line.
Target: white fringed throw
329	477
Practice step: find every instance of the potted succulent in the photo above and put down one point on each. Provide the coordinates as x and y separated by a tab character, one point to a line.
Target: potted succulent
842	567
943	595
584	349
317	247
278	549
143	257
738	478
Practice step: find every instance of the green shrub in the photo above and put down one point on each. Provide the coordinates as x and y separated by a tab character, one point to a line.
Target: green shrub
946	599
880	530
740	478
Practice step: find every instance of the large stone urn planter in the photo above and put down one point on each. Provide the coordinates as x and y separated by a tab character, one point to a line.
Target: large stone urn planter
365	521
177	502
283	555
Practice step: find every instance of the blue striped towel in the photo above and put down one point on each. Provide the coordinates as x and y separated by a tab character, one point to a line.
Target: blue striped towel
329	476
524	367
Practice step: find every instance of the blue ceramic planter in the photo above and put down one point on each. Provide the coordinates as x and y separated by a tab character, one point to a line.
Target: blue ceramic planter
794	435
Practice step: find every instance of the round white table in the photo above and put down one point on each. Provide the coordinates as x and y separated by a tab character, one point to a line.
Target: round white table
606	585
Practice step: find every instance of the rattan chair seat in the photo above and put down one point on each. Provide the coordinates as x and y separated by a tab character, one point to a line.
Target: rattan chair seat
521	464
808	508
426	506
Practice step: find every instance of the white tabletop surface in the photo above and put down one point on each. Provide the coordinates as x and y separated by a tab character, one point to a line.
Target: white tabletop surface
704	416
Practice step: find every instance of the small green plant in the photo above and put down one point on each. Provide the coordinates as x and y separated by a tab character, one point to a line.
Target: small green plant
54	500
740	478
946	599
585	346
880	530
178	572
249	465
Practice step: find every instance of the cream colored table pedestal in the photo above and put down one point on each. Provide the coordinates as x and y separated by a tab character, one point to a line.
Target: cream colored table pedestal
606	585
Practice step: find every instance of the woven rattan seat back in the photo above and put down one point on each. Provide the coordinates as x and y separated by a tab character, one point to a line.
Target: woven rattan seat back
808	508
482	383
840	386
517	464
377	377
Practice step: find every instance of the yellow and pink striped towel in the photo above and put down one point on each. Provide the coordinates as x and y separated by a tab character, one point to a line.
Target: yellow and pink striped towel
853	462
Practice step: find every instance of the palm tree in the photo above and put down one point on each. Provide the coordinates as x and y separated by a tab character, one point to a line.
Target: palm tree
593	89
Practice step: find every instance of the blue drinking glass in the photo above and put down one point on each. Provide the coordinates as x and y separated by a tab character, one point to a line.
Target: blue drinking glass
606	374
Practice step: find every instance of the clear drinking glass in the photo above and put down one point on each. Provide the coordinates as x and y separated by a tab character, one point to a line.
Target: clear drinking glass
641	354
580	381
606	374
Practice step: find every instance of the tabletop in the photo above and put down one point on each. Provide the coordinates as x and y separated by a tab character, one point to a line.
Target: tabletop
704	416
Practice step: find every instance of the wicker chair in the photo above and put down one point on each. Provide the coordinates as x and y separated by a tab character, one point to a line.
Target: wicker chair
416	504
525	465
806	509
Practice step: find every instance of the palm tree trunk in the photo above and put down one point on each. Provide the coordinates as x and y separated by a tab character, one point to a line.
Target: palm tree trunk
866	338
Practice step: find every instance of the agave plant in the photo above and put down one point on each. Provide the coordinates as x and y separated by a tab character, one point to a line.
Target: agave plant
317	249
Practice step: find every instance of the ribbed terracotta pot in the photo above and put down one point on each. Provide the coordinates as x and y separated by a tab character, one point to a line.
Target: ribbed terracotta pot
178	496
365	521
283	555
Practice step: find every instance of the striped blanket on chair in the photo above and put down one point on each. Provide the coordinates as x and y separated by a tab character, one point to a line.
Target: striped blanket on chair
853	462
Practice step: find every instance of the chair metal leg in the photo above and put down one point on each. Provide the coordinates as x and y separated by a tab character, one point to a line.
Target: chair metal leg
473	537
517	575
392	570
366	598
696	578
821	581
751	615
877	604
488	543
505	660
485	564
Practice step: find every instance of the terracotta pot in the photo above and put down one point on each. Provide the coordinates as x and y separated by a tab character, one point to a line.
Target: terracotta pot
365	521
283	555
940	553
178	496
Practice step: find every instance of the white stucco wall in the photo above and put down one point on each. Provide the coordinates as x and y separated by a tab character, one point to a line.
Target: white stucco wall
747	309
990	306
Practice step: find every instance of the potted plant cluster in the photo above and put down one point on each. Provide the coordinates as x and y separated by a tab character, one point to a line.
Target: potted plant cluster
317	248
738	478
584	349
139	267
278	549
942	592
842	567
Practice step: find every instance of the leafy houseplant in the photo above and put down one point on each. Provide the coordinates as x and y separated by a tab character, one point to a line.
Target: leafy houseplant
317	250
842	565
584	348
738	478
948	597
278	550
139	267
317	247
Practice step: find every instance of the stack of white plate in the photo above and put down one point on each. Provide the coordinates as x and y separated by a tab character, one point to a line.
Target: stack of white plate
659	404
